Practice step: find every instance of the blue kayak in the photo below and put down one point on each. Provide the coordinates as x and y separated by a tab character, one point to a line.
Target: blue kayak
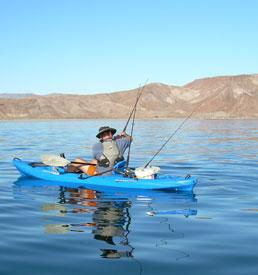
57	174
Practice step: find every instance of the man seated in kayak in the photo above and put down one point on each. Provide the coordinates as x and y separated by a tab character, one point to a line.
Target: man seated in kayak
107	152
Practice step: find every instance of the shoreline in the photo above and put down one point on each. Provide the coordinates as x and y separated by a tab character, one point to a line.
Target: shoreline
91	119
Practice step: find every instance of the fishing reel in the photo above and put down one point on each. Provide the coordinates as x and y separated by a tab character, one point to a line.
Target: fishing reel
129	172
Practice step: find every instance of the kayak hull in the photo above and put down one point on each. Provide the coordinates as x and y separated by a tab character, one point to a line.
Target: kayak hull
48	173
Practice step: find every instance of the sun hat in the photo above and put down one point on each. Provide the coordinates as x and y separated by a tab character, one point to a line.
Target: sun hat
105	129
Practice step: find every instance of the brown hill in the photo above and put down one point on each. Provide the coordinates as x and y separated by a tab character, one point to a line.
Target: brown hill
220	97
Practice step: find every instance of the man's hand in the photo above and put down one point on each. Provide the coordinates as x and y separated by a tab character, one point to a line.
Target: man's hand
124	134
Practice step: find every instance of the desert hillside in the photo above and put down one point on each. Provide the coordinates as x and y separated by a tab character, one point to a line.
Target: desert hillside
216	97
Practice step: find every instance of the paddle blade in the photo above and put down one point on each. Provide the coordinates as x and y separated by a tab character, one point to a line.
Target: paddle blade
53	160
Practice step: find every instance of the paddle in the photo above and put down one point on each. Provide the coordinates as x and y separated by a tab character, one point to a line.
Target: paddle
53	160
102	173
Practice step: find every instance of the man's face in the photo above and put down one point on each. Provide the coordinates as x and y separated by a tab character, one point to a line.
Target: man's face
106	135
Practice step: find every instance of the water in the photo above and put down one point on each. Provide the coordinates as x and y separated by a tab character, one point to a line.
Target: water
60	230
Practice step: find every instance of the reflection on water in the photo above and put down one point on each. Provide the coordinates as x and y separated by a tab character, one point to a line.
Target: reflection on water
105	215
109	218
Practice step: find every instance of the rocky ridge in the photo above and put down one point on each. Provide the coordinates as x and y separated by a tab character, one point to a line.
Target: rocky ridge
216	98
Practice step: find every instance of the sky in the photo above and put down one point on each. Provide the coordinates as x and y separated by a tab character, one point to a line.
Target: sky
101	46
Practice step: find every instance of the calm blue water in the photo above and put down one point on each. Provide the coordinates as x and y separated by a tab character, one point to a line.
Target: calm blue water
60	230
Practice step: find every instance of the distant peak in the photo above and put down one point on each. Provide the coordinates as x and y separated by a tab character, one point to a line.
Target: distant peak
14	95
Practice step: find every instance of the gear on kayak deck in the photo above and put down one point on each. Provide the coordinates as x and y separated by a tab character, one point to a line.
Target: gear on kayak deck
129	173
187	176
37	164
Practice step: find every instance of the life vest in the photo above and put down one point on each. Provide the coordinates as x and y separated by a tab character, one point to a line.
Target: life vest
111	154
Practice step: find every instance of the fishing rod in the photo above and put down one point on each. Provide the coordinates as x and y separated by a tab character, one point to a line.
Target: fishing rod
175	132
129	149
139	93
131	134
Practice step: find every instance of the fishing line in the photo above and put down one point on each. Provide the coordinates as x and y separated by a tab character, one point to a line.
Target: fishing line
175	132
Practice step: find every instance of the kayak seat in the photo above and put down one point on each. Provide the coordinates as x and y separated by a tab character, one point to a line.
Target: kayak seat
119	166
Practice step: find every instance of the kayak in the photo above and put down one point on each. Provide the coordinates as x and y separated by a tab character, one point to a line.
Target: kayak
58	174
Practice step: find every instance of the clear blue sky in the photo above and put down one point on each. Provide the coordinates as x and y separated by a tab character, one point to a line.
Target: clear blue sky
83	46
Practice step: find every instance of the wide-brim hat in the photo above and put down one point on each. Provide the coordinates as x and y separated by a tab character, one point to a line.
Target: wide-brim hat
105	129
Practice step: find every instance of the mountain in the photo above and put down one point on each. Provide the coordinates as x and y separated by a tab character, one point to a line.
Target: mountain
6	95
213	98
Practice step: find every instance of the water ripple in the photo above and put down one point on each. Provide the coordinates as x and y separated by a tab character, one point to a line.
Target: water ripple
140	232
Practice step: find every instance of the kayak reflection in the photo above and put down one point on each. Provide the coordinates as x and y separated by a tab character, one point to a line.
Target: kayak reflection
105	214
